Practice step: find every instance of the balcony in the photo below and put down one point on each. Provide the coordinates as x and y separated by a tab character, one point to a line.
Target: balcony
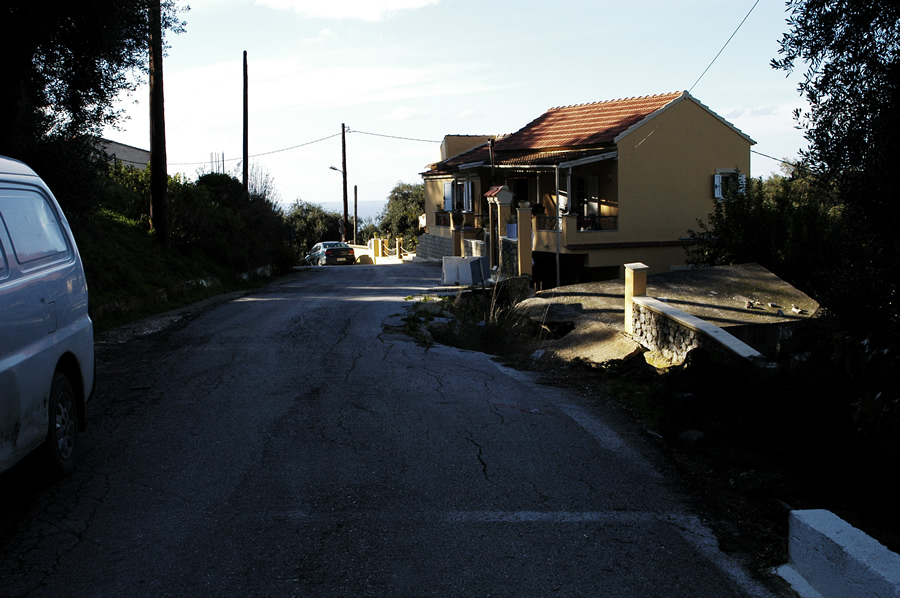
470	220
590	224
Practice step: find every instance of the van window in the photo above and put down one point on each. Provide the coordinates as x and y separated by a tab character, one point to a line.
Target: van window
32	225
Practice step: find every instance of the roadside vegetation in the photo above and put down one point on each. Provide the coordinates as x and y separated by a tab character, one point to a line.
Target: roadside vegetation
222	239
62	78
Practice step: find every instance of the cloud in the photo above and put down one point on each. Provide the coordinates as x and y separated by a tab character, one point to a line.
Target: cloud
402	113
323	35
364	10
757	112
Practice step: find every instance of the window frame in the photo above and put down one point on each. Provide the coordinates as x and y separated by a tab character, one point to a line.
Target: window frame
720	182
27	263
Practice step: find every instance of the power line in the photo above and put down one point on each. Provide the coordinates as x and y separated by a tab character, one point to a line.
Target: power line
309	143
263	153
295	146
723	47
770	157
394	137
701	76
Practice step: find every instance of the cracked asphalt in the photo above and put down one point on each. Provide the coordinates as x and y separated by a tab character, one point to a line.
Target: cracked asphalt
282	443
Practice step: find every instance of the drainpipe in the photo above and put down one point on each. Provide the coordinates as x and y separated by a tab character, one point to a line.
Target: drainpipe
491	152
558	223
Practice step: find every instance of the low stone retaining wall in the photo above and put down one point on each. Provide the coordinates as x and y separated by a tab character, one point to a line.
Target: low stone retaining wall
433	247
475	248
658	333
509	256
660	327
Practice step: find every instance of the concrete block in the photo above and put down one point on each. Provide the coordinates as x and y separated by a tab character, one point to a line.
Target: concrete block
838	560
464	270
479	269
450	271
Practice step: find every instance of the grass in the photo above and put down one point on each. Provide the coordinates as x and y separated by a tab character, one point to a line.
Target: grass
130	276
482	320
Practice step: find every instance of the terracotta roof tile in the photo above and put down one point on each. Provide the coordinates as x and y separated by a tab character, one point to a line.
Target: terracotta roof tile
592	124
564	133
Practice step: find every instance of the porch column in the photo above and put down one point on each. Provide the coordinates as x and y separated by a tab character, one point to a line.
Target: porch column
493	253
498	199
635	286
504	213
524	245
456	239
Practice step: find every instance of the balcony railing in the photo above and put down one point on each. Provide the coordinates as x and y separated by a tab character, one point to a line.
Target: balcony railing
546	222
470	220
598	223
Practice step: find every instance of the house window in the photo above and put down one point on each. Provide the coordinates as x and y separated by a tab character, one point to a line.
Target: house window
726	179
465	193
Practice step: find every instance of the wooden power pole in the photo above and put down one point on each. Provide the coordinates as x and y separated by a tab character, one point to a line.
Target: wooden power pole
246	131
159	198
344	172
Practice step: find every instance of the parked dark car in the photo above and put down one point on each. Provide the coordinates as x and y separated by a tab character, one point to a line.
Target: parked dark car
330	252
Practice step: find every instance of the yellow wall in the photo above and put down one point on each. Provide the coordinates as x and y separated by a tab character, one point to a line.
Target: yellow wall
659	259
454	145
434	197
666	170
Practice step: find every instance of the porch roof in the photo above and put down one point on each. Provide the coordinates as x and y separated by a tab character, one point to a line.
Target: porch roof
480	156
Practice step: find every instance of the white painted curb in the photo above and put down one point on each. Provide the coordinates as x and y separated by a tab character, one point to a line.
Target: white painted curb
829	558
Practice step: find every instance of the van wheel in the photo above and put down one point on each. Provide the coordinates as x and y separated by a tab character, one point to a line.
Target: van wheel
63	425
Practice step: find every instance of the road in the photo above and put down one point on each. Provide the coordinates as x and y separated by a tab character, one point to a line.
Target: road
282	444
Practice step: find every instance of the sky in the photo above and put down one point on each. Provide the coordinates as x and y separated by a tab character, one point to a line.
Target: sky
401	74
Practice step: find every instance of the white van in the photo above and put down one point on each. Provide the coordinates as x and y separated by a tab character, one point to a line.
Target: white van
46	336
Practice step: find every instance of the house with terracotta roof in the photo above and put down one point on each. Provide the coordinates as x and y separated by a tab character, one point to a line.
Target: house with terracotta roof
591	187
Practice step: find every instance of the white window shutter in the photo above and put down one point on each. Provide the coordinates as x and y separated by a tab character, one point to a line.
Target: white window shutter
742	183
717	186
448	197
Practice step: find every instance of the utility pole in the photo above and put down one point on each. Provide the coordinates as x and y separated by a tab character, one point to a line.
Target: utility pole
246	131
344	173
159	180
355	214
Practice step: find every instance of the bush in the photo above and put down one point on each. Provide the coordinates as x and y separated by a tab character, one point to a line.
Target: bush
779	223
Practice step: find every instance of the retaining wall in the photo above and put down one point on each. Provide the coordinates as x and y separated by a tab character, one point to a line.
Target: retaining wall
509	257
660	327
433	247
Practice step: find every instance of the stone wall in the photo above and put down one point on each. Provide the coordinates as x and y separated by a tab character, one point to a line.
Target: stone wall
670	338
433	246
475	248
509	257
669	331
